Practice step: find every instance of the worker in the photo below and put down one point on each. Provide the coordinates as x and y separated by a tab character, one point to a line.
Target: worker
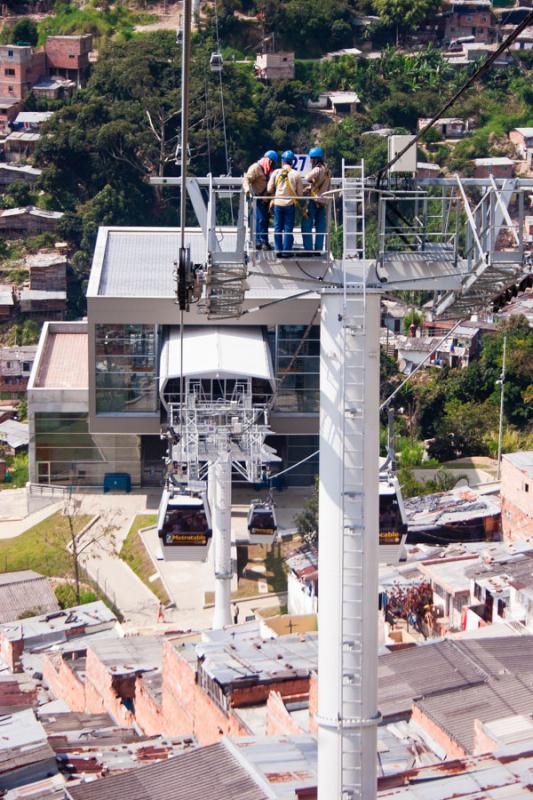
317	182
255	183
287	187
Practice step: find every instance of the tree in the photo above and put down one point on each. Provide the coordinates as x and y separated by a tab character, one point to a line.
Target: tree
406	15
25	32
412	317
307	520
94	540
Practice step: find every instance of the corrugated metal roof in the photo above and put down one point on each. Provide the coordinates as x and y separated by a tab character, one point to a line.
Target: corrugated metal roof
23	591
286	763
141	263
456	711
523	460
414	672
16	434
261	660
209	772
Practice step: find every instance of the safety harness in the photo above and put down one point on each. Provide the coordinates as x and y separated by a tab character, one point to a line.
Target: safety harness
326	174
283	177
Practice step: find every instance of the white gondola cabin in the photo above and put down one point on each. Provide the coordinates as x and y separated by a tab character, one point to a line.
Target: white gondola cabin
184	526
262	525
216	62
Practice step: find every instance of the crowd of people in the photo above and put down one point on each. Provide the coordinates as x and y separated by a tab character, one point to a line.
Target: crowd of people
284	189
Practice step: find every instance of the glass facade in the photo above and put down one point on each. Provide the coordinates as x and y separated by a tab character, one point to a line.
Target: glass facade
292	449
65	451
126	369
297	368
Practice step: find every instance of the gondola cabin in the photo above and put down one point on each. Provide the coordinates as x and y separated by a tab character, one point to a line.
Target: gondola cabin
262	525
184	526
392	521
216	62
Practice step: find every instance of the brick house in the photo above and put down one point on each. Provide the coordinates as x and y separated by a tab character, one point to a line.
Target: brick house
222	687
20	68
43	304
48	271
517	495
498	167
274	66
522	138
15	369
470	18
28	219
6	301
68	56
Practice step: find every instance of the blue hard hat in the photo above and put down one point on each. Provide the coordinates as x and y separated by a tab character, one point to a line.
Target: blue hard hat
316	152
272	155
287	157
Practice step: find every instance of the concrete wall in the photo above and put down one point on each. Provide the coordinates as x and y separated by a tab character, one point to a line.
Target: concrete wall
517	502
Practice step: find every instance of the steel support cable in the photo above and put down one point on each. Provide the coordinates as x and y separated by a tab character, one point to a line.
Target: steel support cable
528	20
383	406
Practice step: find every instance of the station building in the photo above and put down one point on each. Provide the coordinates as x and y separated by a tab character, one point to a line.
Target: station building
99	390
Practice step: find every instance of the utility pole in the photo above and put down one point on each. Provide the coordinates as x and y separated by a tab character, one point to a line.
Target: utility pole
502	395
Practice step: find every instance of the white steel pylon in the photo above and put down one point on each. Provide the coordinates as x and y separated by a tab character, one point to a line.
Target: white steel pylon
348	527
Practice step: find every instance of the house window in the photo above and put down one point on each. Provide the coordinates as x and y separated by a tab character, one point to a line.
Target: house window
9	71
26	366
10	53
526	487
71	56
477	591
502	605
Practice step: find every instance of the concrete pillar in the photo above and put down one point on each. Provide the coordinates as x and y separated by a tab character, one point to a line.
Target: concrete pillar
348	547
222	542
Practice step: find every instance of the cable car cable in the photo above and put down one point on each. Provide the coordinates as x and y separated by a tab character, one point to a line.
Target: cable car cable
528	20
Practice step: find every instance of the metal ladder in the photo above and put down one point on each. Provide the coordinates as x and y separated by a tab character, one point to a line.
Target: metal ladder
353	210
353	505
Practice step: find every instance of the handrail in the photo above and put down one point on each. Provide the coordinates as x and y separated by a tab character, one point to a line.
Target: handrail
470	218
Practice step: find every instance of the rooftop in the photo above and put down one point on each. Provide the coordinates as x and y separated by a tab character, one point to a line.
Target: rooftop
15	434
129	654
212	771
42	294
456	711
494	161
446	508
64	359
523	460
262	660
6	295
32	117
45	260
22	591
23	740
451	667
526	132
55	627
492	777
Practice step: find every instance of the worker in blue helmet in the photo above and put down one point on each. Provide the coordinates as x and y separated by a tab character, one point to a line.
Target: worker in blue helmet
317	183
255	183
287	187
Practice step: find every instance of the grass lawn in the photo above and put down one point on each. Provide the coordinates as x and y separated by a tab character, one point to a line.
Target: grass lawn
42	547
134	553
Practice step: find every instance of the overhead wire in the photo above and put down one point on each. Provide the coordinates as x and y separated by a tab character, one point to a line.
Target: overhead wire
489	61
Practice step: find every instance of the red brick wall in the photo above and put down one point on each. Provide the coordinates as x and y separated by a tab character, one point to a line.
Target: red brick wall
63	682
453	750
498	171
11	652
67	53
279	722
11	695
313	702
103	691
148	712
